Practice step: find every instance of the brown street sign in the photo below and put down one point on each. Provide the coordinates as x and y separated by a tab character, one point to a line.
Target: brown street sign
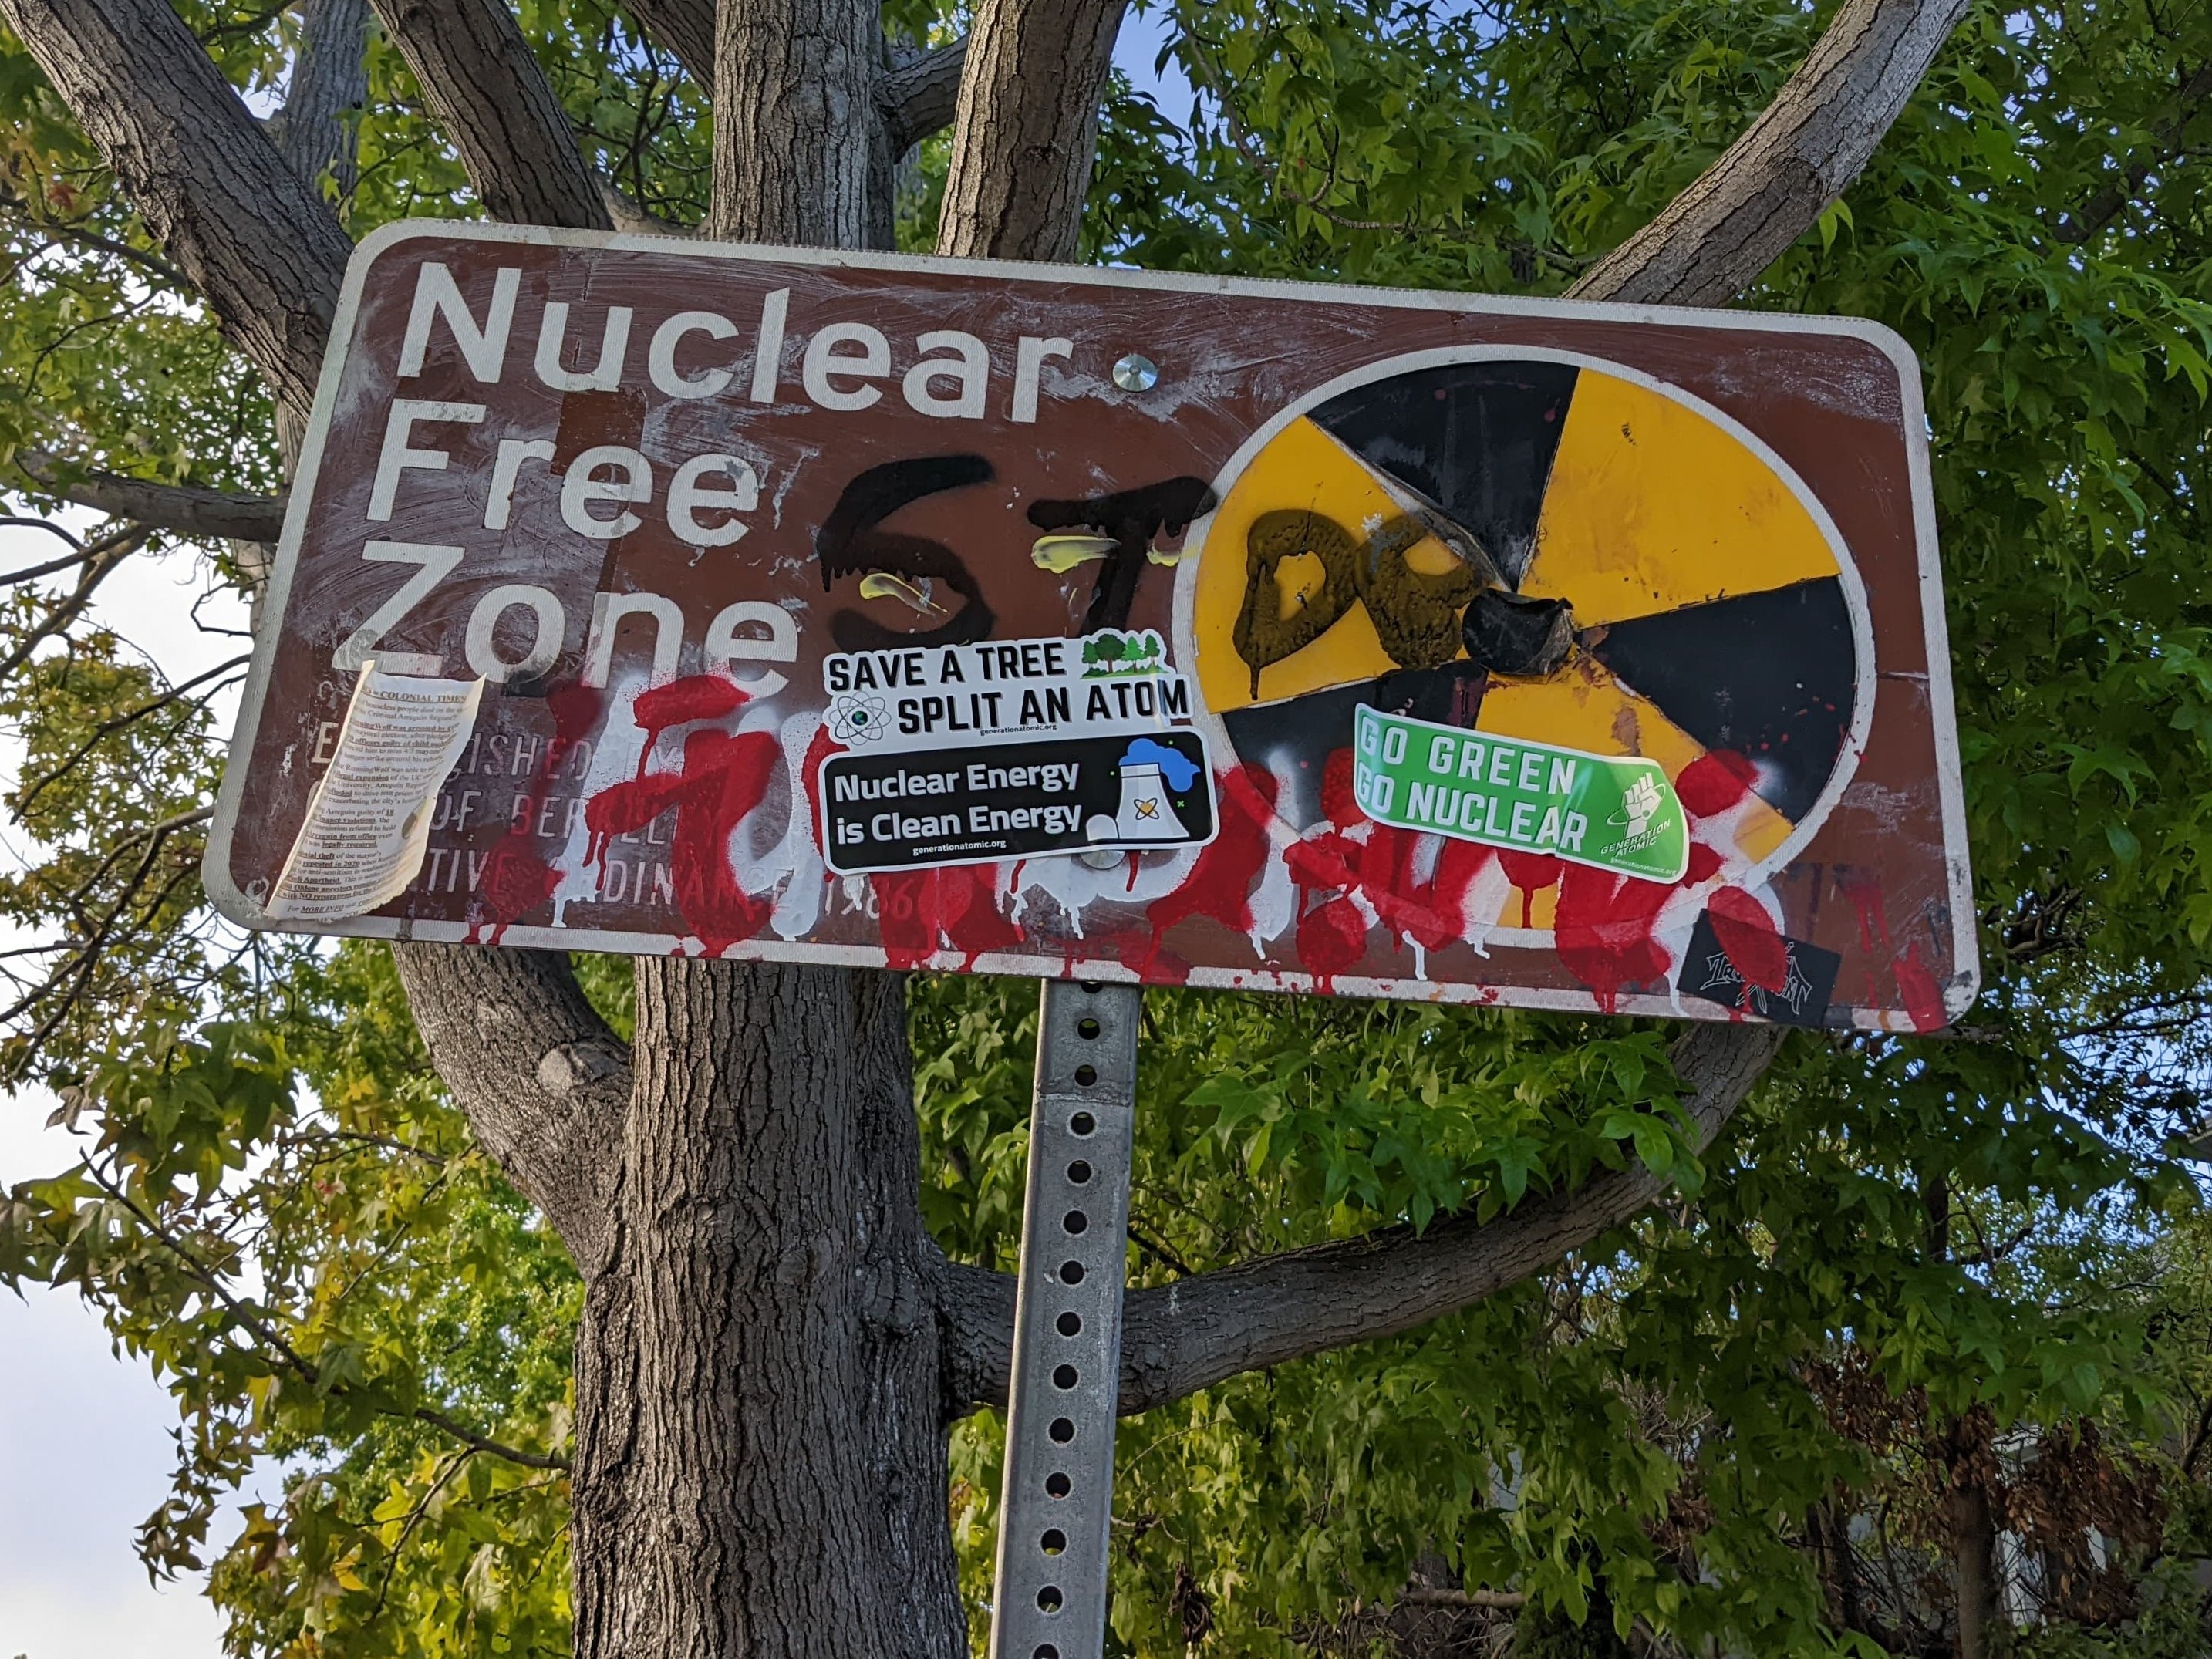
651	596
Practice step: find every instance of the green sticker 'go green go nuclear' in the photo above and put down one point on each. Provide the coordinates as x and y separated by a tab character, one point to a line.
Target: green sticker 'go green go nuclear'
1616	814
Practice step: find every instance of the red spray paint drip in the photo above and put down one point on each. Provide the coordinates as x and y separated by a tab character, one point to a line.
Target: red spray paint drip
1865	895
1714	782
699	697
1604	930
1531	872
958	903
1604	927
1220	881
1431	913
1749	937
724	777
1338	802
1332	937
1917	986
1460	865
809	772
1918	990
517	879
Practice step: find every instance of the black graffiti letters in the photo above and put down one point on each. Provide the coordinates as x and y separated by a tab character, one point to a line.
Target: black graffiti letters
1415	613
849	545
1133	518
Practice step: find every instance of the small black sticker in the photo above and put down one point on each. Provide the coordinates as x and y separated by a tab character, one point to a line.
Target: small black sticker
1808	980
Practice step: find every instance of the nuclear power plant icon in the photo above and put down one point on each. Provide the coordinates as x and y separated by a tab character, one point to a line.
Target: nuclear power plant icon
1151	772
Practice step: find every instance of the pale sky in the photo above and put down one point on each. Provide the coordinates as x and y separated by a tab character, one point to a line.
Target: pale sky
84	1447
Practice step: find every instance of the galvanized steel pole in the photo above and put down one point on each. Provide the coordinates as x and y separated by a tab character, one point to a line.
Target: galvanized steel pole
1058	1499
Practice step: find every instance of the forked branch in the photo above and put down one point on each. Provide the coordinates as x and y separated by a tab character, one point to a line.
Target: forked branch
1766	191
546	1084
918	99
248	232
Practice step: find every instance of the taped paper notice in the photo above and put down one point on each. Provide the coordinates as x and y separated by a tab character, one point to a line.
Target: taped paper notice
368	828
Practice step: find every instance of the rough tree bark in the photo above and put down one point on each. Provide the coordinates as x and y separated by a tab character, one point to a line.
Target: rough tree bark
489	94
760	1432
330	77
1768	187
246	229
1026	129
189	511
772	1348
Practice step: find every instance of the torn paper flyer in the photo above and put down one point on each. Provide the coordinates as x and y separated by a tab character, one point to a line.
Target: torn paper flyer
368	827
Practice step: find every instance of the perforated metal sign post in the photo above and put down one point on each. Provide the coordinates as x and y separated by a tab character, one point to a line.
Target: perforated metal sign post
653	596
1054	1508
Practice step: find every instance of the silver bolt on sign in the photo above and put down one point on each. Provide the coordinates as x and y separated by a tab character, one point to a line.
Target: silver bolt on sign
1053	1512
1136	373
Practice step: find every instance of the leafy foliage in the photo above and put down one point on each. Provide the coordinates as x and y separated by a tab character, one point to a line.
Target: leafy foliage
1910	1270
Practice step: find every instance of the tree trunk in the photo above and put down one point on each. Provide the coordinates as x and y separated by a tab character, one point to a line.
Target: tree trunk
1969	1450
760	1470
771	1345
1830	1529
1973	1552
761	1467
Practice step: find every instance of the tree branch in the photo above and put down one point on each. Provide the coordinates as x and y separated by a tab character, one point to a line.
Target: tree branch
1425	1595
98	566
186	509
920	98
489	94
1772	184
544	1082
329	80
627	214
2100	210
74	233
1026	128
1021	154
107	728
1199	1331
85	958
256	241
686	27
271	1339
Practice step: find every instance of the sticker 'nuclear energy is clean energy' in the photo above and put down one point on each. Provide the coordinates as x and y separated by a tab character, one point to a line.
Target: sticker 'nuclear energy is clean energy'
1617	814
1021	749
